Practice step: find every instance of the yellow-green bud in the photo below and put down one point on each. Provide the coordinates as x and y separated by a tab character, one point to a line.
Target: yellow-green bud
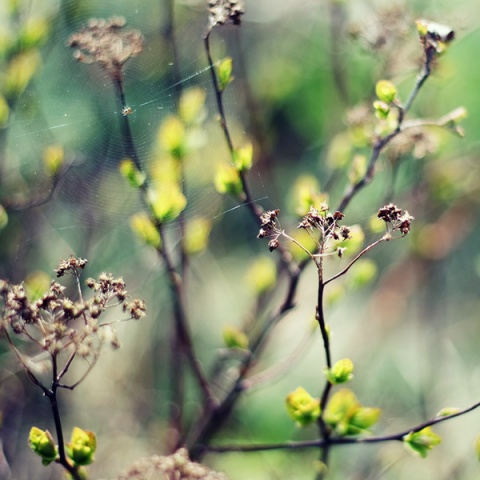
145	229
341	372
190	105
386	91
382	109
3	217
421	442
302	407
243	157
171	136
82	447
224	72
227	180
235	338
135	177
42	443
53	157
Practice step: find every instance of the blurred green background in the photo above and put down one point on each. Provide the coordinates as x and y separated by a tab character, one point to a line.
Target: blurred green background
305	74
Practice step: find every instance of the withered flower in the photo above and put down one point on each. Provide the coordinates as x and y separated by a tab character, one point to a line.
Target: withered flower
106	43
225	11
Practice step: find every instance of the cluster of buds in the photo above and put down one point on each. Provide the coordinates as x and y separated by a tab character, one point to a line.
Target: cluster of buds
225	11
269	226
57	324
106	43
396	219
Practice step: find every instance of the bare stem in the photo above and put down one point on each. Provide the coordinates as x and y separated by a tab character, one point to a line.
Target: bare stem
337	441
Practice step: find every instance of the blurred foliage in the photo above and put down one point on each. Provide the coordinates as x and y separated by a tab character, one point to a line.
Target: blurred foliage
301	90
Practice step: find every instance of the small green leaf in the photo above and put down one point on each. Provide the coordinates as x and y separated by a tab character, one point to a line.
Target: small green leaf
421	442
382	109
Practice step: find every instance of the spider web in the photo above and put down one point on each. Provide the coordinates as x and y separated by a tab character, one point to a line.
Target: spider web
73	105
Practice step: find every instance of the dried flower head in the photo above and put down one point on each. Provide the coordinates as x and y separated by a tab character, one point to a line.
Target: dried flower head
106	43
175	466
59	324
268	225
396	219
72	265
225	11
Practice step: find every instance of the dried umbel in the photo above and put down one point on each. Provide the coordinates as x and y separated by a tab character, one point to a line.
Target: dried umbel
176	466
396	219
225	11
107	43
63	326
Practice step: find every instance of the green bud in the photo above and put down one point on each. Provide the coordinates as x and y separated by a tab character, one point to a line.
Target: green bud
243	157
82	447
3	217
382	109
197	232
477	447
386	91
20	71
145	229
447	411
261	275
421	442
358	168
135	177
33	33
36	284
168	203
341	372
171	136
227	180
224	72
362	273
364	418
233	337
53	158
4	111
191	105
42	443
302	407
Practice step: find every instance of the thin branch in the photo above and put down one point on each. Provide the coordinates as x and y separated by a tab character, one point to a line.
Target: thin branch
380	143
291	445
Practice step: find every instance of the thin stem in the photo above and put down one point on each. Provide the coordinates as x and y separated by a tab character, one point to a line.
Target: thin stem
181	324
350	265
290	445
130	149
380	143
